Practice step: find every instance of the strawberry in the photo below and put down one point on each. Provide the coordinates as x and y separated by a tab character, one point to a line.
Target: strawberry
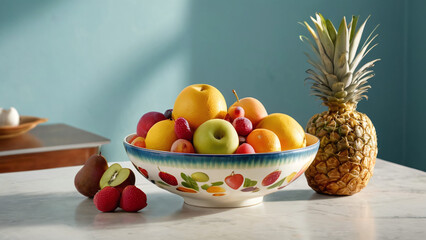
168	178
132	199
182	129
107	199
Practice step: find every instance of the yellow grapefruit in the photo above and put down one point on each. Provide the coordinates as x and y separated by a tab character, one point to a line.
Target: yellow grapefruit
288	130
198	103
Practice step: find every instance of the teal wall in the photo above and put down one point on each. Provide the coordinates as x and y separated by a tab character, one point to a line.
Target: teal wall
100	65
415	91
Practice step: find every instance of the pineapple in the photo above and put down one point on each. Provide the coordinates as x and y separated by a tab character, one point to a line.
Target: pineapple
348	143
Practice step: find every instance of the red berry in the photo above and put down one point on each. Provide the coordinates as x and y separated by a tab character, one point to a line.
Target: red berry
228	118
168	178
236	112
245	148
107	199
132	199
132	138
243	126
182	129
242	139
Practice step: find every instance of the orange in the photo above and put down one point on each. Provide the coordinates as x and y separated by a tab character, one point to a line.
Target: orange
161	135
288	130
264	140
198	103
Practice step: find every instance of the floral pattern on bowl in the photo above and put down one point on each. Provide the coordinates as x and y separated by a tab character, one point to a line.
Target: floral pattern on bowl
209	180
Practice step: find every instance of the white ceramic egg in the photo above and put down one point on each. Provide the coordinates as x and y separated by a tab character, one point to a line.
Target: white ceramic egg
9	117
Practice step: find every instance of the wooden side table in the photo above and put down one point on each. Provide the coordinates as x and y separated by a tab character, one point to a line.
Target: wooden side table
48	146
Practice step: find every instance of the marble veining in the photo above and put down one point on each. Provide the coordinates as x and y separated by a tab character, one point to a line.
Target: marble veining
45	205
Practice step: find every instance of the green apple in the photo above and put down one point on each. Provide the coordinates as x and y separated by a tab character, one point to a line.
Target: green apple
216	136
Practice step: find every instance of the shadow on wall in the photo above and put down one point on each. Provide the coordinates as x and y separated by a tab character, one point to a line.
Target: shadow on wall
21	11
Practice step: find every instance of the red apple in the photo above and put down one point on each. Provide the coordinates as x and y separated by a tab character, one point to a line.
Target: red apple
147	121
234	181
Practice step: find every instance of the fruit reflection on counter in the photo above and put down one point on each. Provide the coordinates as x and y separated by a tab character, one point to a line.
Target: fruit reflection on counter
200	122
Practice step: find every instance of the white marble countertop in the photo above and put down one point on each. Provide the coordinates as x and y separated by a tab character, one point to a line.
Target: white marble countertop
44	204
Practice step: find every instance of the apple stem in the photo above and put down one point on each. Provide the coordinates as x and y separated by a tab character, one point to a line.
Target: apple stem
236	96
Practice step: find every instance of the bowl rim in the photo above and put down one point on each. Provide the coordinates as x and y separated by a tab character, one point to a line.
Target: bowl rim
292	151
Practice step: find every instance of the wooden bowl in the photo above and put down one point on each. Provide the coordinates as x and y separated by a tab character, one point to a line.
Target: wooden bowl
26	123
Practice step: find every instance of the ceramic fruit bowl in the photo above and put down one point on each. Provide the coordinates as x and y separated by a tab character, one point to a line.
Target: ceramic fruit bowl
234	180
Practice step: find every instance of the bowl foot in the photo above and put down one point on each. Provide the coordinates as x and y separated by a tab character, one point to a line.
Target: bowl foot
215	204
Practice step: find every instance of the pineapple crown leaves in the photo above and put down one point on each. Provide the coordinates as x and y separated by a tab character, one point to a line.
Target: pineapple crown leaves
335	57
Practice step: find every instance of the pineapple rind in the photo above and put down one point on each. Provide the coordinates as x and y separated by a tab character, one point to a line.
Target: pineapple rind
347	154
348	142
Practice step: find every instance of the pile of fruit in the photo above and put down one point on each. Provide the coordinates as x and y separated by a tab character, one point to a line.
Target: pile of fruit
200	122
110	187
